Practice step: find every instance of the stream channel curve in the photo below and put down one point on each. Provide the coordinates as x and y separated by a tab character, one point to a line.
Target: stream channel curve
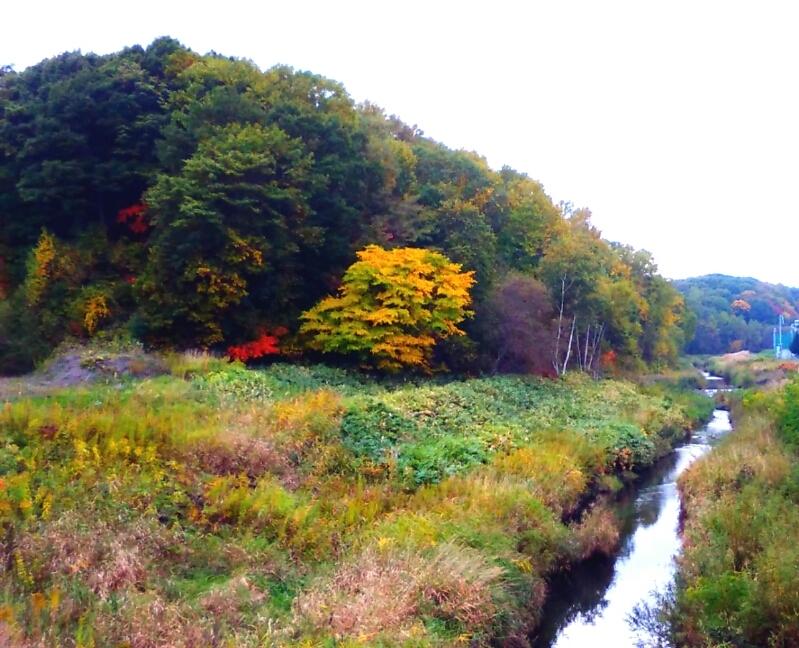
590	605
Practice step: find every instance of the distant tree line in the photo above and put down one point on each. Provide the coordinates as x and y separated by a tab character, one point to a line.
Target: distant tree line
735	313
197	201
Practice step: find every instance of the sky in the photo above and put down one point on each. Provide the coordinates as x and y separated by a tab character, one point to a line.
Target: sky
675	122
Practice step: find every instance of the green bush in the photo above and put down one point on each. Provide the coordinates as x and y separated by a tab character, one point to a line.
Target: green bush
280	380
430	461
370	430
629	447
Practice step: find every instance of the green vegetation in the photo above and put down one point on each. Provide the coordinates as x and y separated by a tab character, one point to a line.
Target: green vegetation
198	202
162	199
220	505
735	313
739	575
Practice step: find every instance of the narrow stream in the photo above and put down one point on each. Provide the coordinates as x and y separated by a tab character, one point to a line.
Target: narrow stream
590	605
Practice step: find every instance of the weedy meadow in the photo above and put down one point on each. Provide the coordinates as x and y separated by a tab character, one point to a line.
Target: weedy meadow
308	505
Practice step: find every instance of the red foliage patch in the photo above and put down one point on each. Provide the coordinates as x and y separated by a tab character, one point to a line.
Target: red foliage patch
609	358
135	217
263	346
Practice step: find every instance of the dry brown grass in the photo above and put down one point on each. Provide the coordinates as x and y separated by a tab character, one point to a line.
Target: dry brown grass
384	591
148	621
597	532
754	451
260	440
10	638
107	558
228	602
735	358
237	451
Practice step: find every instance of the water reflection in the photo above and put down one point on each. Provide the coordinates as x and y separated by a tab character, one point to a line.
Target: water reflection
715	384
590	605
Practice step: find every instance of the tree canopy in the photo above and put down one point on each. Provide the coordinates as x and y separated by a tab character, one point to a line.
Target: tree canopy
392	307
200	201
735	312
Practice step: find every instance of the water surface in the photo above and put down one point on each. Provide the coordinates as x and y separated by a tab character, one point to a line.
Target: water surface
590	606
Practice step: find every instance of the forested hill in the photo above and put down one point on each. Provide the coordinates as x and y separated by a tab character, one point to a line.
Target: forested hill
197	201
735	313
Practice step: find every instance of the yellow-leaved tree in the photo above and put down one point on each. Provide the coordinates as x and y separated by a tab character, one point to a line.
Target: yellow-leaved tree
392	307
42	268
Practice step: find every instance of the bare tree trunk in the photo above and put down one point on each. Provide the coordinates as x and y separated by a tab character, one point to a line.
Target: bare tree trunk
569	347
585	360
596	344
560	368
500	357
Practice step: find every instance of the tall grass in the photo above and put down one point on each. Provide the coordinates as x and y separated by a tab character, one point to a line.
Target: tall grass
220	505
739	574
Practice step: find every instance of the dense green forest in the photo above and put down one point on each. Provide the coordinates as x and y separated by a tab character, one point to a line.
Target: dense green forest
197	201
734	313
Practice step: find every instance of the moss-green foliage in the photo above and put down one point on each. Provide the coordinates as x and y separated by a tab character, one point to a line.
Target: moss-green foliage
680	393
236	382
697	406
370	429
432	460
740	572
504	413
303	503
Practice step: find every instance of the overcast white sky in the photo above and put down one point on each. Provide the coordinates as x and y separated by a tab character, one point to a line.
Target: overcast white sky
676	122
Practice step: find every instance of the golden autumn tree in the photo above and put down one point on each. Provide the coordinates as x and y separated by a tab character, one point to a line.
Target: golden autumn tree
42	268
392	307
741	307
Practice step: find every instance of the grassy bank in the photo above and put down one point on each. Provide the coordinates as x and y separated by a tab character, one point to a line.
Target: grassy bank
739	575
217	505
747	370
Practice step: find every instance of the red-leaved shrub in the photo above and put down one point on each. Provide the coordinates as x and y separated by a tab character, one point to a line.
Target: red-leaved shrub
135	217
263	346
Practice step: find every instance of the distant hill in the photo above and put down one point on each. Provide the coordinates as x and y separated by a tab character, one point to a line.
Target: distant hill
735	313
